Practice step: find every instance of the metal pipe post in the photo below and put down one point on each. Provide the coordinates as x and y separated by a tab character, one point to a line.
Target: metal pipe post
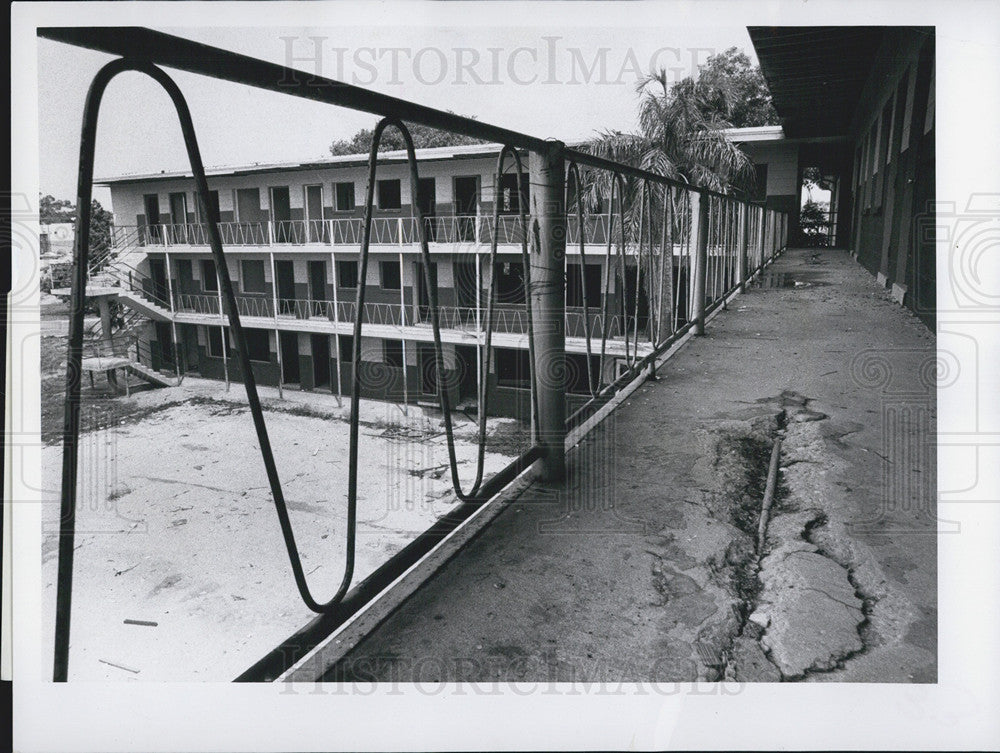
744	241
547	277
699	271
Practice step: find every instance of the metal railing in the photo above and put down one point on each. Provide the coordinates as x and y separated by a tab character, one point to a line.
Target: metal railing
723	243
385	231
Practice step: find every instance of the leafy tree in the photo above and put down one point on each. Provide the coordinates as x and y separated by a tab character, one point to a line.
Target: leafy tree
813	224
742	95
52	210
423	138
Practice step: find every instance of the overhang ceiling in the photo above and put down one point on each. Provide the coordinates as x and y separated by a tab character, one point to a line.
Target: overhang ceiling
816	74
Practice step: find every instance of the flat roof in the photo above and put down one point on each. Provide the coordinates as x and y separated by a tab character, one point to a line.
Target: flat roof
466	151
755	133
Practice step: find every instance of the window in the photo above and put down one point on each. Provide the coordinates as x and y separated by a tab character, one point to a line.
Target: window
760	183
346	348
393	353
513	368
253	276
390	275
209	280
258	344
507	195
347	274
215	341
509	281
345	196
389	196
574	288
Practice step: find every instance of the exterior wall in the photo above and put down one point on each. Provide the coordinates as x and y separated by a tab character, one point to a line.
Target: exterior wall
892	136
783	184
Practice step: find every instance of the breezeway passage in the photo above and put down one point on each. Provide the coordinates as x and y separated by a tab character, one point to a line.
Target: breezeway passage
644	568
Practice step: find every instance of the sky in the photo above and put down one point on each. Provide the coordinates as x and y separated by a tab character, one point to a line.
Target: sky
558	80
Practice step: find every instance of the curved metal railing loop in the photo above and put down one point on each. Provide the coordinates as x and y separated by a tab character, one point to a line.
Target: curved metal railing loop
619	182
574	171
71	415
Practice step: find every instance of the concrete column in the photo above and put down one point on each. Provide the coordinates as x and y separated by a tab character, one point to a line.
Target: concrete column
744	239
547	174
699	269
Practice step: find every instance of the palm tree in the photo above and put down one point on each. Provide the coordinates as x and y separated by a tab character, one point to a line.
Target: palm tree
679	136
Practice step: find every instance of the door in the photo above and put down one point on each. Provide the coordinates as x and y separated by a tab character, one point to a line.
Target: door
157	288
315	227
466	205
428	369
321	360
317	288
468	371
286	286
426	203
178	218
251	229
423	296
281	215
151	206
289	357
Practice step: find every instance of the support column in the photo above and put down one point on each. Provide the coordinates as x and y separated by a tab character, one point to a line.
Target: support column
547	175
277	332
173	324
104	308
699	270
744	239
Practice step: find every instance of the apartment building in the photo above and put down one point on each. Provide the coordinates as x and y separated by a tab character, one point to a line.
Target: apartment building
292	238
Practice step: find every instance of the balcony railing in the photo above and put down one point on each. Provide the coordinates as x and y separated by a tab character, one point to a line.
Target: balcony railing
347	231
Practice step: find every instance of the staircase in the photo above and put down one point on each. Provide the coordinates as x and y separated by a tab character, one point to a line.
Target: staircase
134	291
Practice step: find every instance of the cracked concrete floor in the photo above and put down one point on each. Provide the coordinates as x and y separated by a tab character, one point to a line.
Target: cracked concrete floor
639	569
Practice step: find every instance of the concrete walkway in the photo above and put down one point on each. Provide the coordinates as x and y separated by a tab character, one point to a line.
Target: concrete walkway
645	567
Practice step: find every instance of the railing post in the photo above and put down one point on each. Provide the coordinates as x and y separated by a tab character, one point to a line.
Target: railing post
548	270
699	270
744	242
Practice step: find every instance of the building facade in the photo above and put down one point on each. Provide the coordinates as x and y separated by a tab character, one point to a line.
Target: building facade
292	241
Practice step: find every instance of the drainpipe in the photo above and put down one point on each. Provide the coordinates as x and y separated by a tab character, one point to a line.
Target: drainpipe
699	270
548	271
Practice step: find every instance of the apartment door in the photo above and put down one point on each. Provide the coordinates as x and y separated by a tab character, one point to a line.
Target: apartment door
423	295
466	190
284	270
428	369
315	228
178	218
151	206
157	286
289	357
321	360
249	216
317	289
467	364
281	215
426	203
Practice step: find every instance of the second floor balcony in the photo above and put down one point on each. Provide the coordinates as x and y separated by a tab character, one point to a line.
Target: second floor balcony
452	230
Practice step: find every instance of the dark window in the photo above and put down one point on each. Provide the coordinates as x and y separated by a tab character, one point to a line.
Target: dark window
345	196
258	345
390	275
389	196
510	202
215	341
209	280
513	368
253	276
346	348
393	350
347	274
509	281
760	183
574	287
213	197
